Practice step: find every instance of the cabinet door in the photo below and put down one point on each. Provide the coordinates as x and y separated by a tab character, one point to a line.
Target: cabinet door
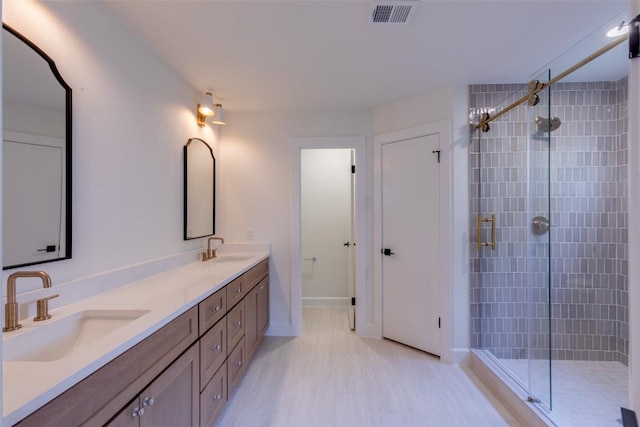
213	398
173	399
263	306
213	351
128	417
251	322
235	325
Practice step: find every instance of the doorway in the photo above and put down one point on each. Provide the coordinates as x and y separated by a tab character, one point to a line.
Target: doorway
326	219
328	237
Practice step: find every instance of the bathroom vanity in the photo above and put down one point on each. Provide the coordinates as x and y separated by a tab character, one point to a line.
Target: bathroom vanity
177	363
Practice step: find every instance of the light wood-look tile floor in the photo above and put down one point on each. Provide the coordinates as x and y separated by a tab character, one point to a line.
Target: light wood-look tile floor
329	377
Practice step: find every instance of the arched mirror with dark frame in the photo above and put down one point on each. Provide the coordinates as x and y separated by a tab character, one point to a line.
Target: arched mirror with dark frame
37	155
199	189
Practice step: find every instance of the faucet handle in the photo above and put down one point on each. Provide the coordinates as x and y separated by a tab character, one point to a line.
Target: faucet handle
42	306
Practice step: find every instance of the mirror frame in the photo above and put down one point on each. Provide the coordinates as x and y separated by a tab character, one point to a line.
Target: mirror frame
213	219
68	144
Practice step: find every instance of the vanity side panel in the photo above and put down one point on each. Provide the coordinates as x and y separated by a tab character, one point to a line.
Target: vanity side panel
97	398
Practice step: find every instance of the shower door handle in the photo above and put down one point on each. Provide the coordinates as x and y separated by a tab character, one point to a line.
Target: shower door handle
492	243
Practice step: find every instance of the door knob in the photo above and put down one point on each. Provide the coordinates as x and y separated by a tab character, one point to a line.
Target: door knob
387	252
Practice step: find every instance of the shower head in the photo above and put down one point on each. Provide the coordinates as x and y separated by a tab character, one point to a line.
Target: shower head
547	124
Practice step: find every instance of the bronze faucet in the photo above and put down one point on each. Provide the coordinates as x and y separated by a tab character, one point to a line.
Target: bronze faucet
11	308
211	253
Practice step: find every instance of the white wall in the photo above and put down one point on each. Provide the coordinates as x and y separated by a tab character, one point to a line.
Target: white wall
634	227
447	103
326	219
255	184
418	110
131	116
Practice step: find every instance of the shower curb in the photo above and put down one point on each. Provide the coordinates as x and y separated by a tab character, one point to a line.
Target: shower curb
507	391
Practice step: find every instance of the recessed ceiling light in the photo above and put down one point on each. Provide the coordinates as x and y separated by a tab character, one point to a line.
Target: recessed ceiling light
619	30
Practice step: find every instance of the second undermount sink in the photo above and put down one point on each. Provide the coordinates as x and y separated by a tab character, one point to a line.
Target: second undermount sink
55	339
232	257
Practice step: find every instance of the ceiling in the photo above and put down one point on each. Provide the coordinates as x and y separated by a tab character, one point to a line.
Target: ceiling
319	54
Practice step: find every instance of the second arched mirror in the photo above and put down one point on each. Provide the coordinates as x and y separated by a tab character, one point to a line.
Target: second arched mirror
199	189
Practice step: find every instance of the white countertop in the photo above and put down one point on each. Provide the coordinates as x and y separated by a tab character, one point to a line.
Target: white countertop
30	385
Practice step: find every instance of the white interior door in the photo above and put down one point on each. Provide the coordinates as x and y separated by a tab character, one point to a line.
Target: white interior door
410	238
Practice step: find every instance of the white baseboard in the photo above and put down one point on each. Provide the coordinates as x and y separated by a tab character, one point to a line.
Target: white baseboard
326	302
280	330
366	331
460	356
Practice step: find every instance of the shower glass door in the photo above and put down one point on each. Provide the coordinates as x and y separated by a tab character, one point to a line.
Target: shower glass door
538	236
509	190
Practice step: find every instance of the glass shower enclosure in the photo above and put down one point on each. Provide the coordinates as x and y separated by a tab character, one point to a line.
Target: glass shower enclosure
549	248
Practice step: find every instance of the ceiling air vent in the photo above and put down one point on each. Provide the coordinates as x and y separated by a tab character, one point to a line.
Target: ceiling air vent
393	12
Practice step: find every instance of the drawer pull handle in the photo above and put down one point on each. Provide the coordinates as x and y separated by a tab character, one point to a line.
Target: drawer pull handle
137	412
216	308
237	323
148	401
217	397
238	290
217	347
239	363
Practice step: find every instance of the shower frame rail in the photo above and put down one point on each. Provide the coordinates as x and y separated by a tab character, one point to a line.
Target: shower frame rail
536	87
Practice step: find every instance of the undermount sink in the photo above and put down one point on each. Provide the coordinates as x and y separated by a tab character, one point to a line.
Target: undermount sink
54	339
231	257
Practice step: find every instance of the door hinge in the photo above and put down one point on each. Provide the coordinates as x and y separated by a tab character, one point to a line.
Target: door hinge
353	300
439	323
353	168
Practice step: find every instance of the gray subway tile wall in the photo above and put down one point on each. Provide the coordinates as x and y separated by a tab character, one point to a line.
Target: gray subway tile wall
578	178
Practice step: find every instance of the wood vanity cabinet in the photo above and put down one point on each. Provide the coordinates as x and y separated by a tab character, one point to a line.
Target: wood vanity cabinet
181	375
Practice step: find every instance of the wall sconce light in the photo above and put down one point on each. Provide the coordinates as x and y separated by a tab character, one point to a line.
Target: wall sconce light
218	115
206	108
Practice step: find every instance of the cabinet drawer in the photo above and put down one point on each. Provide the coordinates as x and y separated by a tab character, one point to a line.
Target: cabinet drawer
212	309
213	397
213	351
235	367
235	292
255	275
235	325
